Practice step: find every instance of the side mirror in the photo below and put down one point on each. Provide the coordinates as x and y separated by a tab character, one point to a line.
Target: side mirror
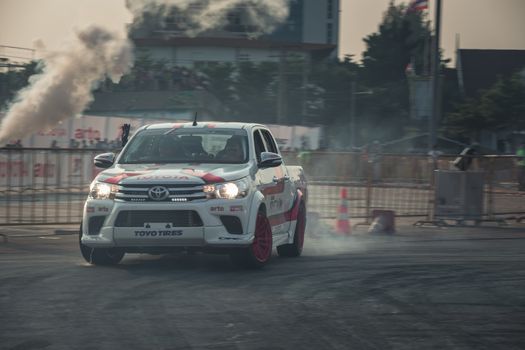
104	160
270	160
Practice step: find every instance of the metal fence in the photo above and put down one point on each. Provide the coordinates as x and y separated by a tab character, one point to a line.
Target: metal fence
44	186
49	186
404	183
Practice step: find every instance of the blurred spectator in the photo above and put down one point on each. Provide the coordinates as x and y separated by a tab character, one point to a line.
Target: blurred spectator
54	144
73	143
434	155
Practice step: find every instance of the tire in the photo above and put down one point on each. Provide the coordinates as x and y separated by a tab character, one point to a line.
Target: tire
295	249
100	256
260	251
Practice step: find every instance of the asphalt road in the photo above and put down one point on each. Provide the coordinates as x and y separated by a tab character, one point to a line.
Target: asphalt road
420	289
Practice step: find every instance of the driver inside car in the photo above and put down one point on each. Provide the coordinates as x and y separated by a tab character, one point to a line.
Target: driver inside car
233	150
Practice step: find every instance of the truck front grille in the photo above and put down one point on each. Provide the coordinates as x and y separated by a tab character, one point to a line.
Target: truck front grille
174	218
177	193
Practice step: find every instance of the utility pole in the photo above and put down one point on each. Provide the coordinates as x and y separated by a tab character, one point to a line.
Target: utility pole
353	92
281	95
306	72
432	121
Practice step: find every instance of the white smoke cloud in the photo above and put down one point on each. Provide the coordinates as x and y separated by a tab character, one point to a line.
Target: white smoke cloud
64	88
202	15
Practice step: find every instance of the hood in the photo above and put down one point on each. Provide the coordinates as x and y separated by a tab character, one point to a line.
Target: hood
136	174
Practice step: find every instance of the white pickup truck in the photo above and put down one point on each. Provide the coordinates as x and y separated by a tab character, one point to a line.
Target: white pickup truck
214	187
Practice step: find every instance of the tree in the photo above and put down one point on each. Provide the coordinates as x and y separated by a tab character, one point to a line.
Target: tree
15	78
502	106
402	38
334	77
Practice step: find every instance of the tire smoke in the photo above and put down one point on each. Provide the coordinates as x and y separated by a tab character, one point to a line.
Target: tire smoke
64	88
197	16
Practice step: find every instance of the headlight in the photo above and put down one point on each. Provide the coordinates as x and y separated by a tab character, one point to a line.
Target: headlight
228	190
102	190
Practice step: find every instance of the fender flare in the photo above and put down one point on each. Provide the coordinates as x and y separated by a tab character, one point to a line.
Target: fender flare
293	214
257	201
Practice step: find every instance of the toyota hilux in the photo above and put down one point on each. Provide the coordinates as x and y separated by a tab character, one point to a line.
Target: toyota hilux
212	187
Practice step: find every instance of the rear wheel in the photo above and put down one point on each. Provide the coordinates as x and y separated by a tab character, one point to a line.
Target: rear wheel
296	248
260	251
100	256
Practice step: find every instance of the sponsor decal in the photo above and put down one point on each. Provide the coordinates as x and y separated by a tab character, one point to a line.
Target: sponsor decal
276	203
236	208
89	133
217	209
90	209
158	233
290	215
162	177
229	238
103	209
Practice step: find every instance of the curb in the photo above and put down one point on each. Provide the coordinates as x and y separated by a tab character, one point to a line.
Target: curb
5	236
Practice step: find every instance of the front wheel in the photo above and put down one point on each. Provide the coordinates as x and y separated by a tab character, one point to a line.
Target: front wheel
260	251
295	248
100	256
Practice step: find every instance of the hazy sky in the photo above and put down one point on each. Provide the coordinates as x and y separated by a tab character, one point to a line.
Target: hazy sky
481	23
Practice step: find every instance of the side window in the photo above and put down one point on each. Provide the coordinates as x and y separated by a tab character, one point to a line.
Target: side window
270	142
259	144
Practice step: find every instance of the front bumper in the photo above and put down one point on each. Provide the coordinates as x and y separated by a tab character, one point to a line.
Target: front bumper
212	233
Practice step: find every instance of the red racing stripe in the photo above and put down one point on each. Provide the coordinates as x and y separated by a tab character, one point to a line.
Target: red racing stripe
116	179
207	177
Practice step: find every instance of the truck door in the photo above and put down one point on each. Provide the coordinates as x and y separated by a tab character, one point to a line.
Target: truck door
267	185
282	196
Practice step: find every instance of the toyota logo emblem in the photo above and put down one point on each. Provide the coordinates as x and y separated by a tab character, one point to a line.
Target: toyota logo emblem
158	193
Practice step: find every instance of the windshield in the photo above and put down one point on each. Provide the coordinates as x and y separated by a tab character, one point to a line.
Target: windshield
208	145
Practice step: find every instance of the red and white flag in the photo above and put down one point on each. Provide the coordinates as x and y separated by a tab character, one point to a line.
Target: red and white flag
417	5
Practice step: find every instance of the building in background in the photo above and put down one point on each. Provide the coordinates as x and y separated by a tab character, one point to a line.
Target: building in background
178	89
311	31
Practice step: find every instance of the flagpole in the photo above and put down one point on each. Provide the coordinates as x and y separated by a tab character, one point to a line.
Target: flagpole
432	125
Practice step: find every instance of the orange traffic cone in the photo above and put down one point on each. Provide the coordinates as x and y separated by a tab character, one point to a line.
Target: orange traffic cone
343	218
